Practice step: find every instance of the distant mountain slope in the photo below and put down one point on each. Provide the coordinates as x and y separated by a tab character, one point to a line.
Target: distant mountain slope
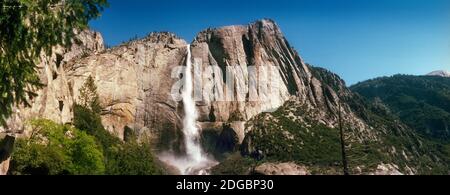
442	73
307	134
421	102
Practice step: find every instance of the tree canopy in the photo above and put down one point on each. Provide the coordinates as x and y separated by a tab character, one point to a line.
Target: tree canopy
28	29
55	149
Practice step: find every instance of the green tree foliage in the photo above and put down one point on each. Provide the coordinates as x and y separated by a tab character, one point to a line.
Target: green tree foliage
286	140
281	137
133	158
421	102
29	28
235	164
91	123
57	149
87	116
89	97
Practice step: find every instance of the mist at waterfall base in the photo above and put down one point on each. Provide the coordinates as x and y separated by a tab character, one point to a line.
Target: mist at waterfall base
195	161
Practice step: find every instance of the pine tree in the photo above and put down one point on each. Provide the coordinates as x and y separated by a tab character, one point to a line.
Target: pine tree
342	141
87	114
89	97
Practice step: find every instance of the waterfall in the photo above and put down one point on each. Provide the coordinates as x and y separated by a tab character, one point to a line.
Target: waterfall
190	130
195	161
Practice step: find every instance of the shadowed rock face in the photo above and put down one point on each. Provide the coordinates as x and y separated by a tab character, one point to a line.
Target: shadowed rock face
6	149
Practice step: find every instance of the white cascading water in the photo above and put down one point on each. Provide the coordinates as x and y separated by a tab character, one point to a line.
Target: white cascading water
196	162
190	130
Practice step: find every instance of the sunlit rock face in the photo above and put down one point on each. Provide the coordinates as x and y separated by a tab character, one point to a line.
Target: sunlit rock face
54	101
259	45
135	83
136	80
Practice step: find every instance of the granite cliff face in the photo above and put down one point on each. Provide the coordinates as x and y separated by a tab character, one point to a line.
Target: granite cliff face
260	44
135	81
54	101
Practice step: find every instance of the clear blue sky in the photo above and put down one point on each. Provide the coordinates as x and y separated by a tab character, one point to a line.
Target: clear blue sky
357	39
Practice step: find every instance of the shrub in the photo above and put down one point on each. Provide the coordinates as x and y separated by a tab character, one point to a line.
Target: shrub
90	122
133	158
56	149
